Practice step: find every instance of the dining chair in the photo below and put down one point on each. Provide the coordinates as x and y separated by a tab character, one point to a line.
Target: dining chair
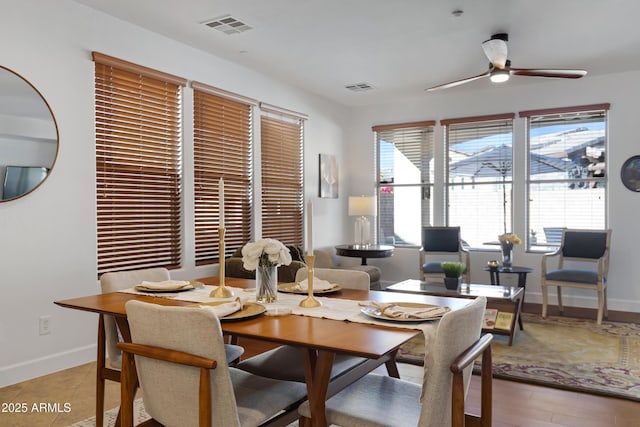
443	243
587	254
378	400
287	362
108	335
179	356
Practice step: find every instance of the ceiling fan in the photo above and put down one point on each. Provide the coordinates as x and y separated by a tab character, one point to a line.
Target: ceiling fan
500	68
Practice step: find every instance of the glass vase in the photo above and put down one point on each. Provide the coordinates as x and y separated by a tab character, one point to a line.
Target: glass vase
507	255
266	284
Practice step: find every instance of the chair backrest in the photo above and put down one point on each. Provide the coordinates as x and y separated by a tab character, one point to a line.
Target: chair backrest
350	279
585	244
441	239
170	390
456	332
117	281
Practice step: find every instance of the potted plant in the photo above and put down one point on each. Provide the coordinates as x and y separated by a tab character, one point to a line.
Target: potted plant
452	274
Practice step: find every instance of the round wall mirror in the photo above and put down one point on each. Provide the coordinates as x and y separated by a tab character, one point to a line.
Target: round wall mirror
28	136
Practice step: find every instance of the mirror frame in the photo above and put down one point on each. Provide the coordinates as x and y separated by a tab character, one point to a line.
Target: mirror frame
55	124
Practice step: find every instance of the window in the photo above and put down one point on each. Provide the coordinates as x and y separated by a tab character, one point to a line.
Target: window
566	171
405	161
138	166
222	126
479	159
282	184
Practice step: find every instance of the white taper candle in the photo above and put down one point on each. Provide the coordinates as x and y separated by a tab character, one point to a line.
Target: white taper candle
221	202
310	228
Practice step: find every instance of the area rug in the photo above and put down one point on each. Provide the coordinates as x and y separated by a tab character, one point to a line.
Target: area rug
565	353
139	415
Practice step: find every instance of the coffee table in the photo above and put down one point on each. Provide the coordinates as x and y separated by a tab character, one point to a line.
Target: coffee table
503	301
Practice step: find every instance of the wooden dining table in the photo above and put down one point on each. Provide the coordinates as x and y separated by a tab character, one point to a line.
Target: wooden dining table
320	338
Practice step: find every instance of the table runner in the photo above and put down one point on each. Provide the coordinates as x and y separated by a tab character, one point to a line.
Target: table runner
331	308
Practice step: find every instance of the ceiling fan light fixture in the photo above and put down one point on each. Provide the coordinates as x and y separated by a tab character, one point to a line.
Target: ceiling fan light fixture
496	52
499	76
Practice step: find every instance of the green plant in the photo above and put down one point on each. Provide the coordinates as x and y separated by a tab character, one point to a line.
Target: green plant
452	269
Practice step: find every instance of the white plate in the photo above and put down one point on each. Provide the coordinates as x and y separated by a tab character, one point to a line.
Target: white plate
376	314
193	284
291	289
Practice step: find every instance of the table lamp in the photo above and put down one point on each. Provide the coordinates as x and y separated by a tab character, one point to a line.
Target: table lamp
362	206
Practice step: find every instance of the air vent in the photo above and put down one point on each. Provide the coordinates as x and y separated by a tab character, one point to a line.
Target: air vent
359	87
228	25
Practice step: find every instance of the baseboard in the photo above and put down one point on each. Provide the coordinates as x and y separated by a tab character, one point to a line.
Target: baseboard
582	313
33	368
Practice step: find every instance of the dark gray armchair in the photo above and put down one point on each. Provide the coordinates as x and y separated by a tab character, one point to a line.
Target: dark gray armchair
583	262
442	243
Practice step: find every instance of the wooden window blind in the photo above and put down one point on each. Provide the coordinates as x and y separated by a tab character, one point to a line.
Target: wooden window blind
567	171
138	166
479	176
282	184
222	149
404	154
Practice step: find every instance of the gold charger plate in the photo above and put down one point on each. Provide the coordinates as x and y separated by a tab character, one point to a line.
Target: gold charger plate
193	284
377	314
249	311
290	288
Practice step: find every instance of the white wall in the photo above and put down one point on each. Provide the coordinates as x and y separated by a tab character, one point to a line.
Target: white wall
621	90
48	249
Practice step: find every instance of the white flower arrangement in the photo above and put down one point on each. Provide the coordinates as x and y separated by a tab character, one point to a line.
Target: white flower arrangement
265	253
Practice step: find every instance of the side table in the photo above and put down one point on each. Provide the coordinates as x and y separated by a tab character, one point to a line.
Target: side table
494	273
364	252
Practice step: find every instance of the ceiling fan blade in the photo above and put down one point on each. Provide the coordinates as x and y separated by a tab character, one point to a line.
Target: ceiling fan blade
458	82
544	72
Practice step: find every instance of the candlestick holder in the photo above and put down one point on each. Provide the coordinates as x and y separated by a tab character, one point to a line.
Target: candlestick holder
310	301
221	291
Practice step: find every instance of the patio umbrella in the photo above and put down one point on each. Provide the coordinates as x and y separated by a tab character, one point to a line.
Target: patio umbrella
498	162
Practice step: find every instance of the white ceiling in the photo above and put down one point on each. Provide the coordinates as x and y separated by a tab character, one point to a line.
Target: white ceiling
400	47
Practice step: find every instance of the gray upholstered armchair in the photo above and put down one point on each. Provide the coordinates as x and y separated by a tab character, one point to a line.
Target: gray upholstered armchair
589	250
286	273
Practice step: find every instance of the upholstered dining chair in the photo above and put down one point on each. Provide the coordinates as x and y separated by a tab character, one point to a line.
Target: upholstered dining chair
184	376
287	362
583	262
443	243
108	331
378	400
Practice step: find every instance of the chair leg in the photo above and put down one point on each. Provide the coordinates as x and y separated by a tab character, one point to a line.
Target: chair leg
544	301
606	310
560	299
600	306
304	422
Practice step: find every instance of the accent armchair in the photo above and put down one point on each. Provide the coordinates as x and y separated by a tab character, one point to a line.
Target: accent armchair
587	252
286	273
442	243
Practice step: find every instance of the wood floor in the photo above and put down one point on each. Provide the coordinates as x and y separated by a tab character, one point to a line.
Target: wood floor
514	404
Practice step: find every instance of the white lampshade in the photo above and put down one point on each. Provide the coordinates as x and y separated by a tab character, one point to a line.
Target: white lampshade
362	205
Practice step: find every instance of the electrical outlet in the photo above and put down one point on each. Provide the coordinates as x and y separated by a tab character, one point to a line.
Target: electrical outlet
45	325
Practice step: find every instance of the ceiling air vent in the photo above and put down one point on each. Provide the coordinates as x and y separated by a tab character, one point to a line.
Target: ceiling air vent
359	87
228	25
